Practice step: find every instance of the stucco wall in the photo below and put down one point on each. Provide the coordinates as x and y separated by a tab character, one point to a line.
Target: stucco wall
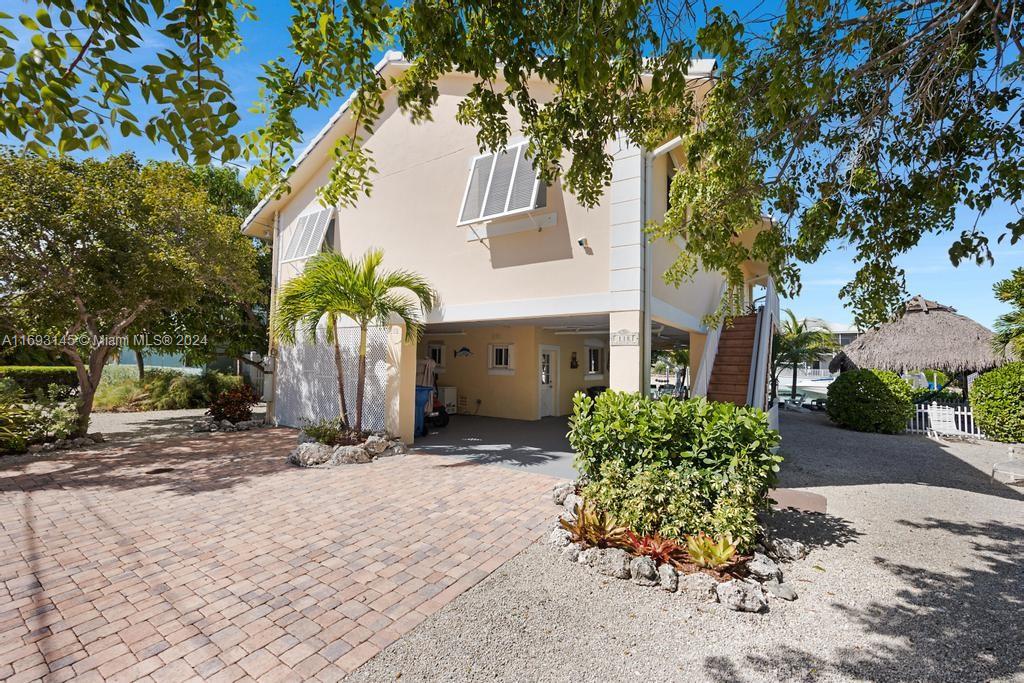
514	396
413	211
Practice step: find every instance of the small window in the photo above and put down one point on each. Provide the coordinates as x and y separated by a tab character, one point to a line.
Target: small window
501	359
595	360
308	235
436	353
501	184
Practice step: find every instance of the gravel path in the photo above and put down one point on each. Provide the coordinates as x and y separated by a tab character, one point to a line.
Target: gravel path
916	573
151	424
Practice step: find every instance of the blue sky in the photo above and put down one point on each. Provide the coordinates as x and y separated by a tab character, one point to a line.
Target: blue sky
967	288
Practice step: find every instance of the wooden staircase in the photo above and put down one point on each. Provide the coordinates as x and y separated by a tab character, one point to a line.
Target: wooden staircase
731	372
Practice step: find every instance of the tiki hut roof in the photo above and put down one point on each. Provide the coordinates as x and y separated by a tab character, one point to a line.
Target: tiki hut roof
927	335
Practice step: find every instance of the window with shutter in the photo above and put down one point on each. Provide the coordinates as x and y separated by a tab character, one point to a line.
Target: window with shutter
309	234
501	184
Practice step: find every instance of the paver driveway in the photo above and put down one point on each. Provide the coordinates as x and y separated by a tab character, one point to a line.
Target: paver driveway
234	564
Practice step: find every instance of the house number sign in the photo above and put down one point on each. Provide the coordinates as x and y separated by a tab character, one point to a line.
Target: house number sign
625	338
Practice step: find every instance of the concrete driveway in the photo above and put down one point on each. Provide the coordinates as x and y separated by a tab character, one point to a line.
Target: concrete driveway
530	446
207	557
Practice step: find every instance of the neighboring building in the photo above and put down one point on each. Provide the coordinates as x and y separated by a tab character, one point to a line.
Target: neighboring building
842	334
540	296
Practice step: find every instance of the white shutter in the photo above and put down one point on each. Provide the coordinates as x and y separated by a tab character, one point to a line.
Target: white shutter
473	204
297	236
499	185
309	234
501	180
524	183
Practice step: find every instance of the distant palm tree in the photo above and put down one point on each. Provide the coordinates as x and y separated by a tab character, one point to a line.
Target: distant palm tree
332	285
678	359
795	344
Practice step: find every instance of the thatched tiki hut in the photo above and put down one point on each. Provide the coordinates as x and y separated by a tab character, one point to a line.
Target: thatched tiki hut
927	335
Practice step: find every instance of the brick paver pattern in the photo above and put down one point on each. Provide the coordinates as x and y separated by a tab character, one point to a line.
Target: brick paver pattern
234	565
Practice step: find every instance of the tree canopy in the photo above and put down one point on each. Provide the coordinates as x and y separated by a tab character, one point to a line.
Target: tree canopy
89	249
1010	326
857	124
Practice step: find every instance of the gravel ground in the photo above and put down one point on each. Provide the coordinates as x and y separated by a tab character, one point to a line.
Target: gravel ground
151	424
916	573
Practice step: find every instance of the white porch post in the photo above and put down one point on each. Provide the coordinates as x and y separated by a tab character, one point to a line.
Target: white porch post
401	385
629	327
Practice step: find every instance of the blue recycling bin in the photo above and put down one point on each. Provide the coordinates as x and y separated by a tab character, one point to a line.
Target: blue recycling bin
422	396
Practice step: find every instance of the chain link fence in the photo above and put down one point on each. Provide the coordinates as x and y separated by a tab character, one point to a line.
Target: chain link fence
307	379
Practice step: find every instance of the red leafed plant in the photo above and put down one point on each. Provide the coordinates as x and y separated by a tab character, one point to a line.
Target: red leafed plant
655	546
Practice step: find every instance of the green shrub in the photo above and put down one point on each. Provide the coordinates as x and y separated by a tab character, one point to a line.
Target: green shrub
928	395
997	403
10	392
332	432
234	405
52	415
870	401
675	467
32	378
121	390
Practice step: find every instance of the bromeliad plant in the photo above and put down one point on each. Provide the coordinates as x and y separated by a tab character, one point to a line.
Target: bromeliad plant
705	551
657	547
594	528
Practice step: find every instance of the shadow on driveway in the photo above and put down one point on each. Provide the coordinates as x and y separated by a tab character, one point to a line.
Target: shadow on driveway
536	446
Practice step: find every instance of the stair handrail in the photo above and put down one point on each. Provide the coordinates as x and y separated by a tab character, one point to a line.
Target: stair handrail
767	320
707	359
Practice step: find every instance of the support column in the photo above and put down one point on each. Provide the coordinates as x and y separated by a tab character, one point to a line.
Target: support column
625	352
628	260
401	385
697	341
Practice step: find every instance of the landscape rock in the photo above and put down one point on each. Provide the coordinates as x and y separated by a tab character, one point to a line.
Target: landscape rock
350	455
742	596
668	577
96	437
786	549
202	426
571	552
559	493
570	503
396	447
47	447
305	438
226	424
783	591
559	538
763	568
376	445
81	442
612	562
36	447
697	587
310	454
60	444
588	556
644	571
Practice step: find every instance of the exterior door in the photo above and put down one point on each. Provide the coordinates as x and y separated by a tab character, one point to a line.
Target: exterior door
548	380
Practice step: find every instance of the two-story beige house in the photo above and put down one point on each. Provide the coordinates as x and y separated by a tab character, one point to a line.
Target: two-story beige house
540	297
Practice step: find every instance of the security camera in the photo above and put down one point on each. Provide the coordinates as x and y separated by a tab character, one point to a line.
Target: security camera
582	241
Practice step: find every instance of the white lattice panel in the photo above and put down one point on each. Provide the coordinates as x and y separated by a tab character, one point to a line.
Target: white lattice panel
307	380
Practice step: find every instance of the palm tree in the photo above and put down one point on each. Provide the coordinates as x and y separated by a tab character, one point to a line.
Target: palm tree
376	296
678	359
795	344
1010	326
335	286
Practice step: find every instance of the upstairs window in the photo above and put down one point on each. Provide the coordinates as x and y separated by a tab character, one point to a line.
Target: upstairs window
501	184
308	235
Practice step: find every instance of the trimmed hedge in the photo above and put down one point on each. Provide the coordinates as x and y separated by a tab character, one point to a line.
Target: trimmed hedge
997	403
675	467
871	401
33	377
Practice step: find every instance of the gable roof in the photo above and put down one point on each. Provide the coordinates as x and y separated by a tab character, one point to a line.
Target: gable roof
259	221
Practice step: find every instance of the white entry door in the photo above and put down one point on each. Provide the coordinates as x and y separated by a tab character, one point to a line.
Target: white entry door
548	380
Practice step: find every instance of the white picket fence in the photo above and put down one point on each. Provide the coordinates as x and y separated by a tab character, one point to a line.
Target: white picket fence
945	419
